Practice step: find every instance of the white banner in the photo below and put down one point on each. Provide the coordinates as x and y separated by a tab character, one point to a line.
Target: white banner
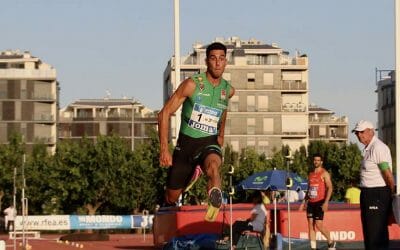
43	222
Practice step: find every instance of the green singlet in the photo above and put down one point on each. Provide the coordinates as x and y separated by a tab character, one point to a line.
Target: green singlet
201	112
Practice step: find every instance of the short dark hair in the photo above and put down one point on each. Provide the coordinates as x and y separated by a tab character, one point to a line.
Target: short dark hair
318	155
215	46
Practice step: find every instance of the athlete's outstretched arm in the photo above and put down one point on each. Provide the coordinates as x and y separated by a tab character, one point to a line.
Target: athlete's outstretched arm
185	89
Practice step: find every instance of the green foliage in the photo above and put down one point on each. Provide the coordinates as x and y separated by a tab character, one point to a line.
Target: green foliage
37	171
107	177
11	157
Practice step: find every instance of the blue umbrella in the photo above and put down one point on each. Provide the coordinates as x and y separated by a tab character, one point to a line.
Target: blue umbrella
274	180
300	181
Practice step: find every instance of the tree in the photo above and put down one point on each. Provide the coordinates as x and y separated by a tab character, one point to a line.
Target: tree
300	164
107	174
69	179
37	171
11	157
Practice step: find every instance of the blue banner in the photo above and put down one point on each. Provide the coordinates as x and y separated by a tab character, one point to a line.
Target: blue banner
73	222
100	221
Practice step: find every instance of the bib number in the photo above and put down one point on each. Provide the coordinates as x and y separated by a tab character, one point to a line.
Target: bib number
205	119
313	192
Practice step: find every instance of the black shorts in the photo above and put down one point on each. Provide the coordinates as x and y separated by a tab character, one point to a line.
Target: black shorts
188	153
314	210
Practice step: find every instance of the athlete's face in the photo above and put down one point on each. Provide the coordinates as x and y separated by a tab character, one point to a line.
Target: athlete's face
216	62
317	162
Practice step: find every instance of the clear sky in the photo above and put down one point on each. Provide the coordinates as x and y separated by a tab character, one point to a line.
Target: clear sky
123	46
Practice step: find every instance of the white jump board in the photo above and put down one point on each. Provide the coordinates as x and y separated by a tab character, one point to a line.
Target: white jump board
28	234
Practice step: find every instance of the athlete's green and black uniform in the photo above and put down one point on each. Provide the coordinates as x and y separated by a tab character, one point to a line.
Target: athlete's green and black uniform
200	124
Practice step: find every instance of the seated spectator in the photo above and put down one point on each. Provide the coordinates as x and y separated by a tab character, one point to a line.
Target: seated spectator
256	222
302	195
290	195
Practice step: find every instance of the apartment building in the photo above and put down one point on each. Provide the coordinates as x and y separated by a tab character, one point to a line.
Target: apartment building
126	118
28	99
324	125
386	108
270	107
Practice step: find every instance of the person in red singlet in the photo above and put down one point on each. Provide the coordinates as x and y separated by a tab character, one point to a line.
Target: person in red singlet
318	195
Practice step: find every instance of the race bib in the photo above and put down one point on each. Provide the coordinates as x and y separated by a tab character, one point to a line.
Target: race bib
313	192
205	119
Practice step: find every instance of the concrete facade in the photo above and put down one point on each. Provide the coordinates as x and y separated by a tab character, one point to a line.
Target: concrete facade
28	99
386	108
94	117
325	126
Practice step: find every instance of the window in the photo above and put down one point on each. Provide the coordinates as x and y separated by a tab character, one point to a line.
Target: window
23	130
272	59
251	77
234	103
251	126
3	88
268	125
256	59
262	101
322	131
268	79
23	89
251	80
3	132
251	103
294	124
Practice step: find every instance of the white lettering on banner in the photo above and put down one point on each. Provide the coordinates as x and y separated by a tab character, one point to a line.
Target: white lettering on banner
339	235
100	219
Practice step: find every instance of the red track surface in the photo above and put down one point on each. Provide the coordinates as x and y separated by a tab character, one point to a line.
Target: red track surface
117	241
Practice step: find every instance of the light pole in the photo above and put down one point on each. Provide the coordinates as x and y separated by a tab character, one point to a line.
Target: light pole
397	90
133	126
15	206
289	184
177	64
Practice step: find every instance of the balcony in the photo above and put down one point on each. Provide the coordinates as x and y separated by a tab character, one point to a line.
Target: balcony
329	120
294	85
44	117
28	73
294	107
43	97
46	139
